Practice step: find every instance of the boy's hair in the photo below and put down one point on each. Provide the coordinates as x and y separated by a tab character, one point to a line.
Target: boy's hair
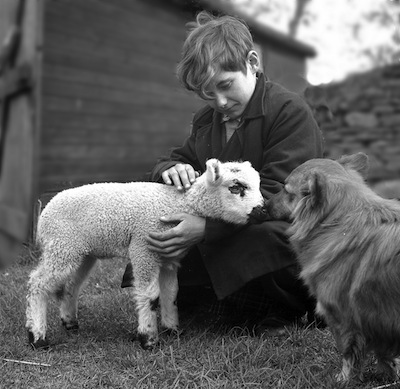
213	44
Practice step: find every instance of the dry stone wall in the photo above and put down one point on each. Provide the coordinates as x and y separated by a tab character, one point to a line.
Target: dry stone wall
364	116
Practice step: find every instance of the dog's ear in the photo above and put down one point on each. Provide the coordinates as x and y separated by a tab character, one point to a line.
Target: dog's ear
358	162
316	189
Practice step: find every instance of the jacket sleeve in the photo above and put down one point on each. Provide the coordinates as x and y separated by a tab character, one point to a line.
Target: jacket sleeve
183	154
215	229
293	138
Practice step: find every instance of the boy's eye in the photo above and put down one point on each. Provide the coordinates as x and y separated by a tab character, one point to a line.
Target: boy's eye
226	85
207	96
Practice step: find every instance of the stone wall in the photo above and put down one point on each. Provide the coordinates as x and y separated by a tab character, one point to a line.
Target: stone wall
363	115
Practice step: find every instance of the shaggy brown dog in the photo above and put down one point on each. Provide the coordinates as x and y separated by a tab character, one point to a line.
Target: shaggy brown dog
347	240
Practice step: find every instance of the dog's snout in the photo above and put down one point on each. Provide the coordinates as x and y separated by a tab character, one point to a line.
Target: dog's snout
259	214
277	209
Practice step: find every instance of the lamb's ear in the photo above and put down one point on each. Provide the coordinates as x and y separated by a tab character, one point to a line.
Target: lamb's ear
358	162
316	189
213	174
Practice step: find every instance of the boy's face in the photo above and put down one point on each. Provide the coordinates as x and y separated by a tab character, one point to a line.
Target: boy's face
231	91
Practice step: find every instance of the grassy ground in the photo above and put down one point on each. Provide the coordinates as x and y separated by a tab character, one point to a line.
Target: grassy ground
102	355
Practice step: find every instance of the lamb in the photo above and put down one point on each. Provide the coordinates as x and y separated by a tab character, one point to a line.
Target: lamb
111	220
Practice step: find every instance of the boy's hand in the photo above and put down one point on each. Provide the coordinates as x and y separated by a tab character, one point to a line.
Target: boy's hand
182	176
177	241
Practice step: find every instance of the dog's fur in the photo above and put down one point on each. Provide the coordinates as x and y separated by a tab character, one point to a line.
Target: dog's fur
347	239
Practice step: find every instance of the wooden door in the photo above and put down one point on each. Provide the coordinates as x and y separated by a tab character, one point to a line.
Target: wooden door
20	52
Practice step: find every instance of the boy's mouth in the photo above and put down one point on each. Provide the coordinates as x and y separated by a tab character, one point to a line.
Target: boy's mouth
230	112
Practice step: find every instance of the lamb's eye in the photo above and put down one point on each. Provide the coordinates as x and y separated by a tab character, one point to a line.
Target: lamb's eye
238	188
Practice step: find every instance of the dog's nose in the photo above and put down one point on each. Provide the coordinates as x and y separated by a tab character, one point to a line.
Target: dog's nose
259	214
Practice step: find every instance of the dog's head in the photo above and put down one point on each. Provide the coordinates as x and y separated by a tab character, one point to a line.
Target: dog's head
313	187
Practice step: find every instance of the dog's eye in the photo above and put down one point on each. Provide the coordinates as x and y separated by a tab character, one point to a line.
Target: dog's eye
305	192
238	188
290	196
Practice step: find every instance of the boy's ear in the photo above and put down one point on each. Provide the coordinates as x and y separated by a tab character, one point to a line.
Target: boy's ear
253	60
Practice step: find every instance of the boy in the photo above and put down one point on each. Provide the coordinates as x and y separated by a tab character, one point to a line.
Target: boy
248	118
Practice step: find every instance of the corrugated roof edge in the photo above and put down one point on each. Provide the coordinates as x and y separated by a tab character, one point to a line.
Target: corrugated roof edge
274	37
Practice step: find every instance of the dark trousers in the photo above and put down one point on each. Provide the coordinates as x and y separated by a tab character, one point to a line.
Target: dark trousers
283	287
259	256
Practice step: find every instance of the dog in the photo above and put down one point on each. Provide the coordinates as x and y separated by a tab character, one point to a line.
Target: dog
347	240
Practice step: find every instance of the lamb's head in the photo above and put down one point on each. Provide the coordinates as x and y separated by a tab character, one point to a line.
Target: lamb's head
234	187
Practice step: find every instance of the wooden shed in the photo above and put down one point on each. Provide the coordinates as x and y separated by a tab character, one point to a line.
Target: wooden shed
111	104
102	88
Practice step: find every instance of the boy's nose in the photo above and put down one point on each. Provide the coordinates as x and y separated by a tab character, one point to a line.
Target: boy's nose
221	101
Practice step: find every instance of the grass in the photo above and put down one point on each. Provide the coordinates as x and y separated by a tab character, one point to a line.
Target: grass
102	355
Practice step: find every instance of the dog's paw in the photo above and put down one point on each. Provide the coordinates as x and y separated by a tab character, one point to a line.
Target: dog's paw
341	378
387	368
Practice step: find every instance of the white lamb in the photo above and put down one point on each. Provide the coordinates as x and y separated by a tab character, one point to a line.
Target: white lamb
111	220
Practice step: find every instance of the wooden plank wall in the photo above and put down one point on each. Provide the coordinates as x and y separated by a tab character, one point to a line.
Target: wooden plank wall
111	101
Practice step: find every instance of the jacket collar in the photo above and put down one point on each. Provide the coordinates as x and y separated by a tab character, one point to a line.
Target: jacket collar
256	106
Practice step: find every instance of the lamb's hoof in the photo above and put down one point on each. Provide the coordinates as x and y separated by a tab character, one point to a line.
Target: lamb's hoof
172	332
72	326
40	344
146	341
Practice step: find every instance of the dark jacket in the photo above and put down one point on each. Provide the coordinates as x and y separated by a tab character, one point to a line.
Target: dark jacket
278	134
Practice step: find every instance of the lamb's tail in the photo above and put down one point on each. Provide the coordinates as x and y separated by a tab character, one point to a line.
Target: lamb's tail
36	214
35	252
34	245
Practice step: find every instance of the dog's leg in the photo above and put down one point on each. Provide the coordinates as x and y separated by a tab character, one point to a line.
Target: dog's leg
352	346
70	293
146	294
168	295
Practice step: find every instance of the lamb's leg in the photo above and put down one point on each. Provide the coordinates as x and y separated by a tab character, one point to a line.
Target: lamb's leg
168	294
70	294
36	310
146	295
48	280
